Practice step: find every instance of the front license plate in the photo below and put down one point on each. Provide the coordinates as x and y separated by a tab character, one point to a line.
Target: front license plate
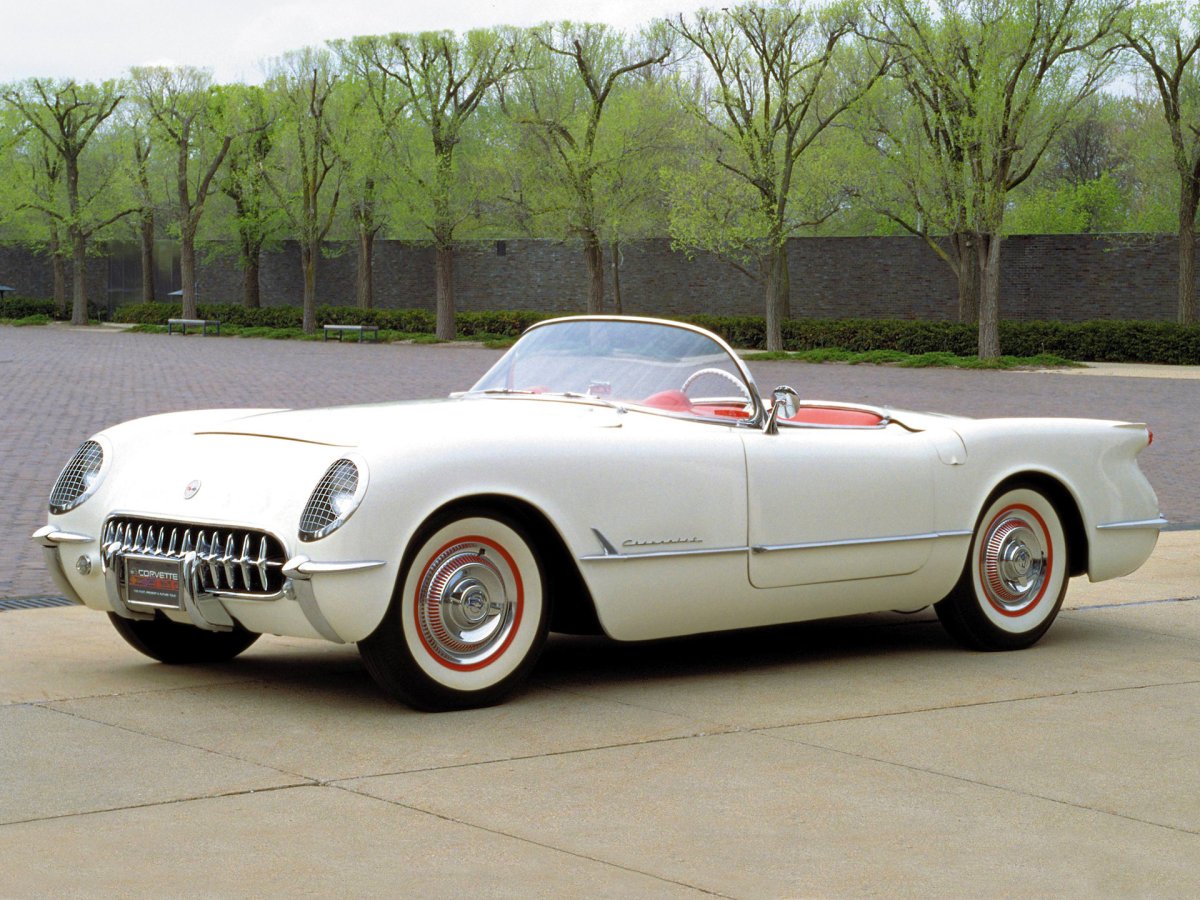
153	581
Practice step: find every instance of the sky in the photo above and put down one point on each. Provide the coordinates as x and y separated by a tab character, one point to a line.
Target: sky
92	40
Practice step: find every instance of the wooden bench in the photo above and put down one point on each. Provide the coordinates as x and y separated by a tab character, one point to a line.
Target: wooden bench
200	323
339	330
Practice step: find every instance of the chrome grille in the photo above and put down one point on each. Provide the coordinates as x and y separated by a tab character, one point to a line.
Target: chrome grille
76	479
340	479
229	560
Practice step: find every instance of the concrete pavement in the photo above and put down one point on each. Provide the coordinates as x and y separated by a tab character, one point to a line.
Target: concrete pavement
853	757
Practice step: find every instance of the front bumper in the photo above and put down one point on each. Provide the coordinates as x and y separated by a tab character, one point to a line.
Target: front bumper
203	608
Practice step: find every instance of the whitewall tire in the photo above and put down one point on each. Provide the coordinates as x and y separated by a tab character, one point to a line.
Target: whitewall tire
470	618
1015	577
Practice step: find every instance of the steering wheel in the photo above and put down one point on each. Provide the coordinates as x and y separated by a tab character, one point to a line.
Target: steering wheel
697	375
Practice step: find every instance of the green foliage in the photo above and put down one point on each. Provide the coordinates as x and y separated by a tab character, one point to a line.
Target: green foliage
909	361
23	307
409	322
1090	207
1098	341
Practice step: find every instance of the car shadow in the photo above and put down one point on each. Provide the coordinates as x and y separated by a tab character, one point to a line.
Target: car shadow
335	675
853	638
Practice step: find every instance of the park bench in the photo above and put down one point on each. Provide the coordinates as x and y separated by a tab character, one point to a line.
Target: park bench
339	330
202	324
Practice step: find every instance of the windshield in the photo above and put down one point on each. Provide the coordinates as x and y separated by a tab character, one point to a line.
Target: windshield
635	362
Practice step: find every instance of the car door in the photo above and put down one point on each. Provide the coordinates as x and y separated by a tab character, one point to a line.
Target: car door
833	504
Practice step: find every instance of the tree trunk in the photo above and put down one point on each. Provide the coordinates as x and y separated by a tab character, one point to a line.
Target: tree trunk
79	306
251	293
58	267
988	252
962	245
784	287
1188	198
78	246
776	297
364	285
614	260
146	233
444	279
594	254
187	272
308	264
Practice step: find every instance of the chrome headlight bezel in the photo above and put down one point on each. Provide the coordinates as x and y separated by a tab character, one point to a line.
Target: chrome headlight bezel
85	471
335	498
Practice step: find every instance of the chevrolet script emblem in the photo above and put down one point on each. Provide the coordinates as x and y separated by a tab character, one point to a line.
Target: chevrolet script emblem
192	489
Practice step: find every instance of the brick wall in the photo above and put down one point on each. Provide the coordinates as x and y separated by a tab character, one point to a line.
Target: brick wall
31	275
1068	277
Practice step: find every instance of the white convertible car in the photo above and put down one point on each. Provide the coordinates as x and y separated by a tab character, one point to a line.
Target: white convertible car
620	476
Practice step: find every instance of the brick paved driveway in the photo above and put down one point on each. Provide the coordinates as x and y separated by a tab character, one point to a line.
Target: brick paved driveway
58	385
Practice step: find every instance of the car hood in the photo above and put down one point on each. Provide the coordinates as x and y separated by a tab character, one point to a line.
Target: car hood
357	426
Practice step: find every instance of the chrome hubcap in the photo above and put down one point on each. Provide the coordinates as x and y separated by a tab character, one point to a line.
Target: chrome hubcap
1014	563
463	606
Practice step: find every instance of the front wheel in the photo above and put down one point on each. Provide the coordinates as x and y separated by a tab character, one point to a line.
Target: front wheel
177	644
1015	577
470	620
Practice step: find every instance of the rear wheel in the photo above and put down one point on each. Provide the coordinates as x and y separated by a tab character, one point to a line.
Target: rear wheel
471	617
170	642
1015	577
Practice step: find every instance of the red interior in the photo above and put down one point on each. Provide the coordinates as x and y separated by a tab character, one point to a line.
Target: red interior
677	401
828	415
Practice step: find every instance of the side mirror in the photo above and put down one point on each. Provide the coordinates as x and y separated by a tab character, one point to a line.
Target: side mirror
784	403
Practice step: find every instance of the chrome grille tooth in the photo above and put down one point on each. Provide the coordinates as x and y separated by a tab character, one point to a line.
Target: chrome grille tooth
202	557
174	536
214	552
244	563
261	562
228	561
139	541
187	542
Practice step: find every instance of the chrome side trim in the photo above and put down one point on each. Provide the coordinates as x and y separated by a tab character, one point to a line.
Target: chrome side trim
660	554
857	542
1157	523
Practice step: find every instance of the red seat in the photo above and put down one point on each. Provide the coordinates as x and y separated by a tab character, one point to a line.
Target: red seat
676	401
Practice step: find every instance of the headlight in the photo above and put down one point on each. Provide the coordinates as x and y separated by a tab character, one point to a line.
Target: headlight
78	479
334	499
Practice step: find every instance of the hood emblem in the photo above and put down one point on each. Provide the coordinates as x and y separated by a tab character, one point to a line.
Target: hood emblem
192	489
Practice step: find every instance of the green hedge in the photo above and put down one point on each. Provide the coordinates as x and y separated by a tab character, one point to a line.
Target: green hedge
1099	341
507	323
23	307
